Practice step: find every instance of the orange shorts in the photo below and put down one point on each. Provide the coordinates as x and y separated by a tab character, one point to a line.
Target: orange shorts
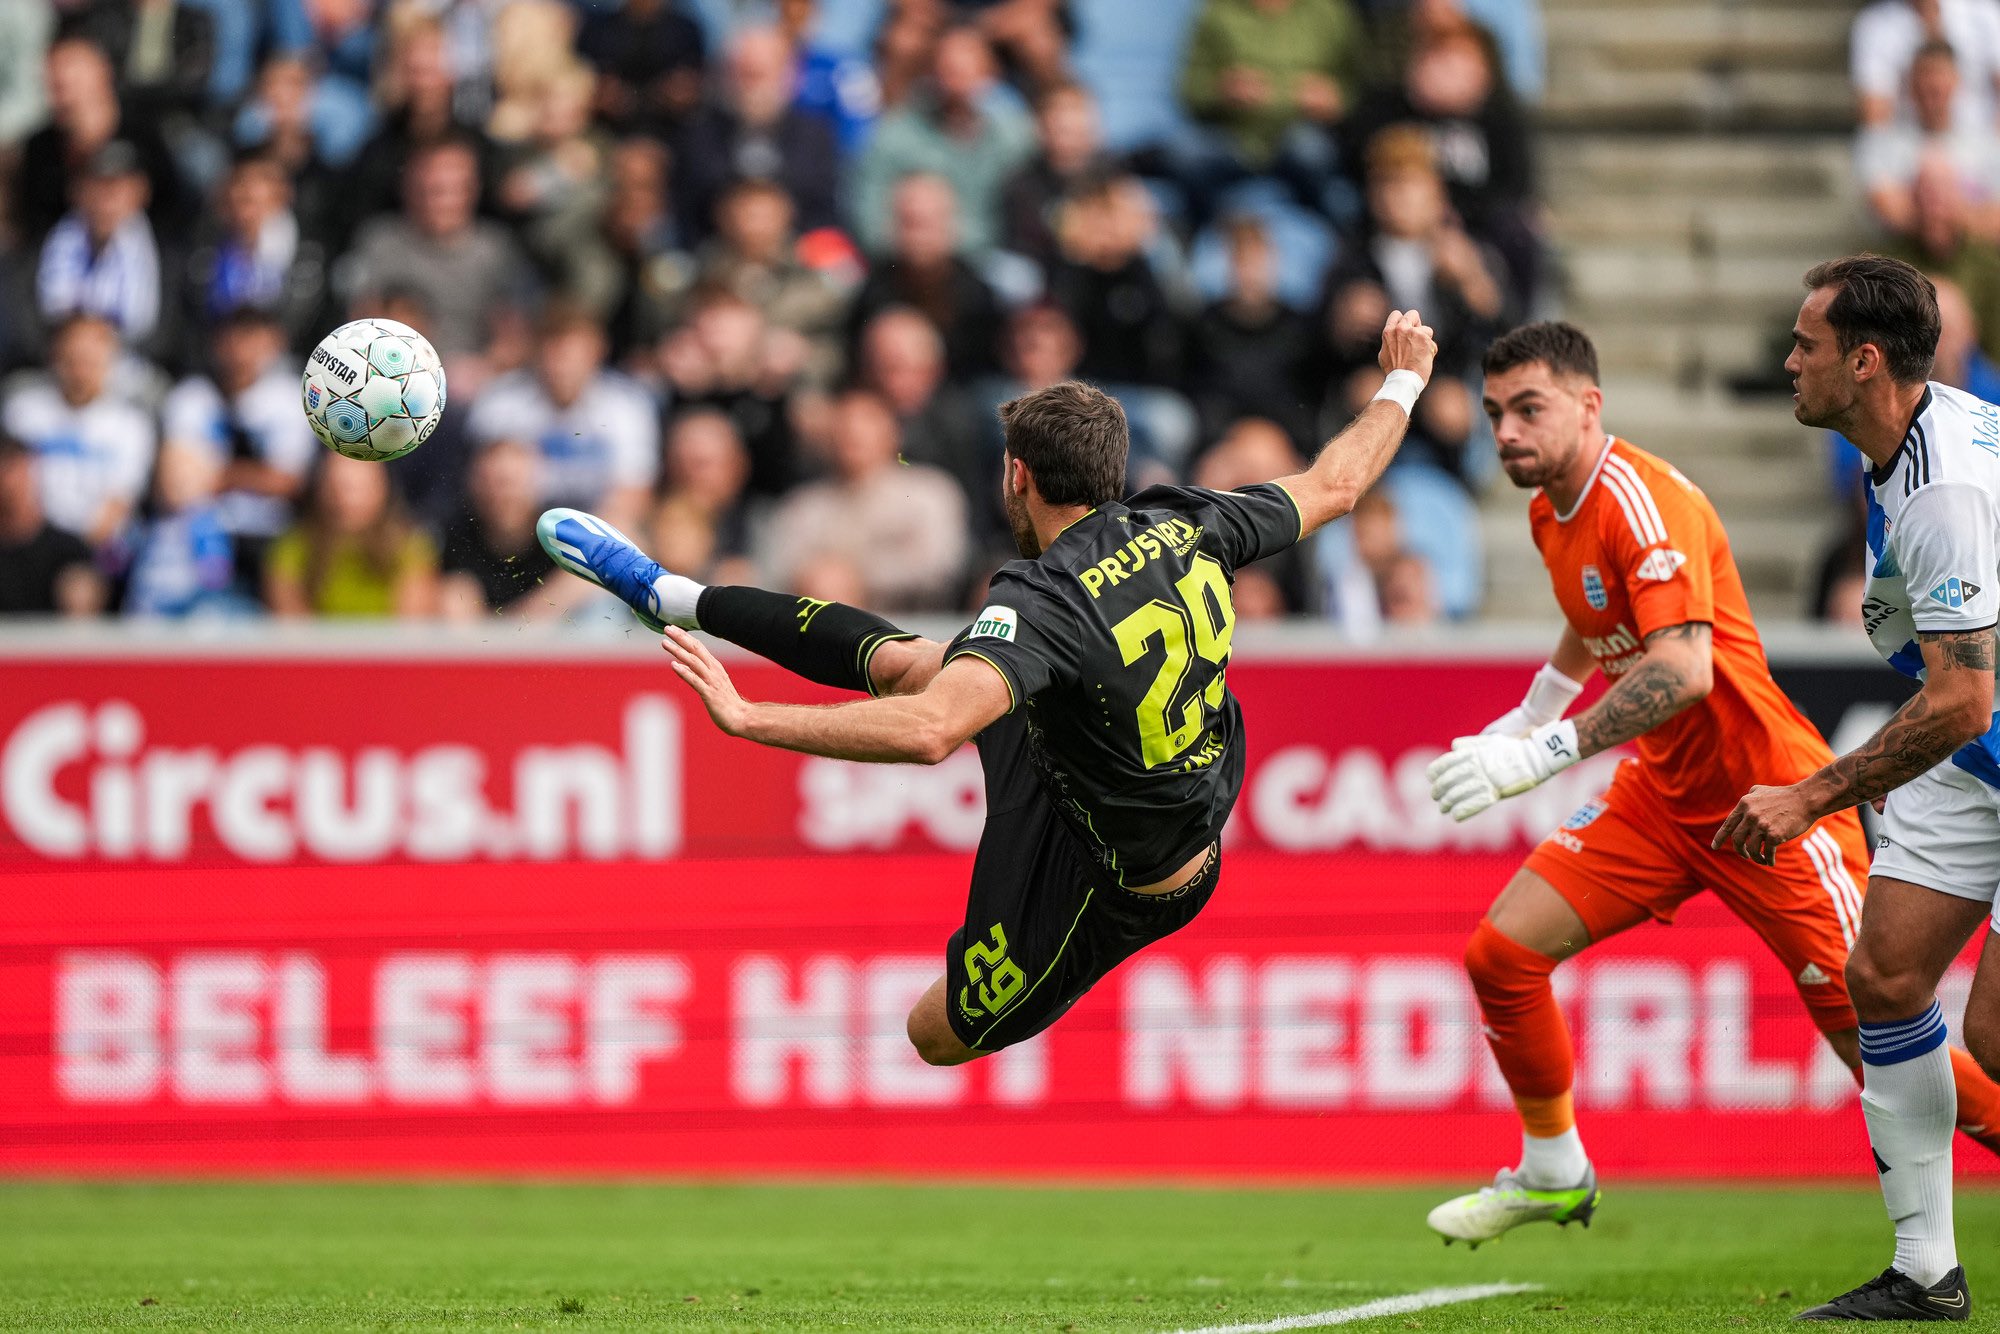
1623	857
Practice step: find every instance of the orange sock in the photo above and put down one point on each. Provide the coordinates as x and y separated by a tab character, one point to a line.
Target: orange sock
1978	1100
1525	1028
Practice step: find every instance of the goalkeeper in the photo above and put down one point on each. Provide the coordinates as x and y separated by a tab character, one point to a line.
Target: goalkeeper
1643	572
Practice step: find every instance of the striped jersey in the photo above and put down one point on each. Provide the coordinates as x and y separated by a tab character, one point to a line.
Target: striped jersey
1641	551
1933	532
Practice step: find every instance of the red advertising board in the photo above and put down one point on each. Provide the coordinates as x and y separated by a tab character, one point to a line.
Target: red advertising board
480	916
283	761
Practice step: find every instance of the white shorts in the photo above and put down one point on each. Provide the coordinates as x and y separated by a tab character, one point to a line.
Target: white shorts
1941	830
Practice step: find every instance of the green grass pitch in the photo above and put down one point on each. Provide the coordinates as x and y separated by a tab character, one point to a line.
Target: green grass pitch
449	1257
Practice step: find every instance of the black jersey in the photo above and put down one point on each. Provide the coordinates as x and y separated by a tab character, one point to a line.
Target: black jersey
1116	639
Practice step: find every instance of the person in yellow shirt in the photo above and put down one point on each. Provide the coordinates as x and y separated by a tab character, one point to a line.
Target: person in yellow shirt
354	553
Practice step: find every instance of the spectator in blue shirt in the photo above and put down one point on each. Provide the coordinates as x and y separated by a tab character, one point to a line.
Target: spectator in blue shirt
838	86
102	258
181	558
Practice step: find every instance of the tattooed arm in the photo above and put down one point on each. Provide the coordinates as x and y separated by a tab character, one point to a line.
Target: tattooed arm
1676	671
1954	707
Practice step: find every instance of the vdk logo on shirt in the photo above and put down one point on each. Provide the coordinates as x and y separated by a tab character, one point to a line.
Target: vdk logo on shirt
995	623
1593	589
1954	592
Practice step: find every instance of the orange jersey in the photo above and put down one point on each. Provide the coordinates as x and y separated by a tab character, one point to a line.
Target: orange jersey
1644	550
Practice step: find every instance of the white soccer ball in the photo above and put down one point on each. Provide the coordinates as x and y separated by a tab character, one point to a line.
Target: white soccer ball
374	389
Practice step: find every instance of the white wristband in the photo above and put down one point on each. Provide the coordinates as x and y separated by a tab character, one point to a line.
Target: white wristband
1556	744
1401	388
1550	694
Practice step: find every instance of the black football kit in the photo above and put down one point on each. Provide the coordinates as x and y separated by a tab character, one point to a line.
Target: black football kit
1119	758
1122	755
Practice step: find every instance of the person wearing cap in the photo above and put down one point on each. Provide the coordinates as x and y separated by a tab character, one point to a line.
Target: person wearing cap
102	258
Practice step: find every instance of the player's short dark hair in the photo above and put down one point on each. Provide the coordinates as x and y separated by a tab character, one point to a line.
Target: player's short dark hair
1885	302
1937	48
1074	439
1557	344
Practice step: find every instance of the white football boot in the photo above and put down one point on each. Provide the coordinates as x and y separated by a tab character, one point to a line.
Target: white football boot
1509	1202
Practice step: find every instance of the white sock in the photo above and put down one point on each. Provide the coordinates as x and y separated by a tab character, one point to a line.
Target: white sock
1912	1105
677	594
1553	1164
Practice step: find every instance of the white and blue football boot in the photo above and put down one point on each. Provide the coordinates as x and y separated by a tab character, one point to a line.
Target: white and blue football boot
592	549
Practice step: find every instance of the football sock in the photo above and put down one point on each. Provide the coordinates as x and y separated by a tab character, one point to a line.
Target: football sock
827	642
1907	1095
1554	1163
1525	1028
1978	1100
678	595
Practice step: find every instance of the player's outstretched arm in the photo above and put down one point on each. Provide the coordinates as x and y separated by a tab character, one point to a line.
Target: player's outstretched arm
1676	670
924	727
1954	707
1352	461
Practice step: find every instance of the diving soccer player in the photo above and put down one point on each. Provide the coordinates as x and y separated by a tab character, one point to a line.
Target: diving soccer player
1092	683
1861	357
1643	572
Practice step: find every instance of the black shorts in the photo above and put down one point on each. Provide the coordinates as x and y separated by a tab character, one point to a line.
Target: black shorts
1043	922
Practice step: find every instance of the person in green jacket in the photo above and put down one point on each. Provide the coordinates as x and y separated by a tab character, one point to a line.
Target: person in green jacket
1269	80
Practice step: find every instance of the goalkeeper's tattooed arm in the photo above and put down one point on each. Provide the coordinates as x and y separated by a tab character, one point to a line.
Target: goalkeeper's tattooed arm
1954	707
1676	671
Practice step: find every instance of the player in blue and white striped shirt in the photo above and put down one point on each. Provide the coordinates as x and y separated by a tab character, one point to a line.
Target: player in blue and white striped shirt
1864	343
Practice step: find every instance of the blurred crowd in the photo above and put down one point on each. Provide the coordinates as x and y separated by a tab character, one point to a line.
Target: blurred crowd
1926	79
748	279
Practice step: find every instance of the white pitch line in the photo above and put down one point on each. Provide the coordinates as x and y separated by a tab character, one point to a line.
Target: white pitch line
1345	1315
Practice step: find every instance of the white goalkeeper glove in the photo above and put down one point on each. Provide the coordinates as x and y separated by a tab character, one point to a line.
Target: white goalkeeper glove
1480	770
1549	696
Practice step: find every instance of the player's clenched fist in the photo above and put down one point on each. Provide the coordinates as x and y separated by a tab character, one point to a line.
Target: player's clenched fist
1408	344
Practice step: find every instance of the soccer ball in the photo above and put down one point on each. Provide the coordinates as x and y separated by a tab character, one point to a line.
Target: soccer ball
374	389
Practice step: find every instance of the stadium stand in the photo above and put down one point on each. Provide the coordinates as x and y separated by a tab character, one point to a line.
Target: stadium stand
1688	158
1697	161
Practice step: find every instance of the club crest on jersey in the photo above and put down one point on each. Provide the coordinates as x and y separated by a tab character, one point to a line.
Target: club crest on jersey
1585	815
995	623
1593	589
1954	592
1661	564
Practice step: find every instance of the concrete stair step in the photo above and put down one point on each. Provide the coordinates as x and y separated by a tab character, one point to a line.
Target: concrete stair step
1559	12
1608	97
1696	36
1679	168
1699	227
1689	353
1636	286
